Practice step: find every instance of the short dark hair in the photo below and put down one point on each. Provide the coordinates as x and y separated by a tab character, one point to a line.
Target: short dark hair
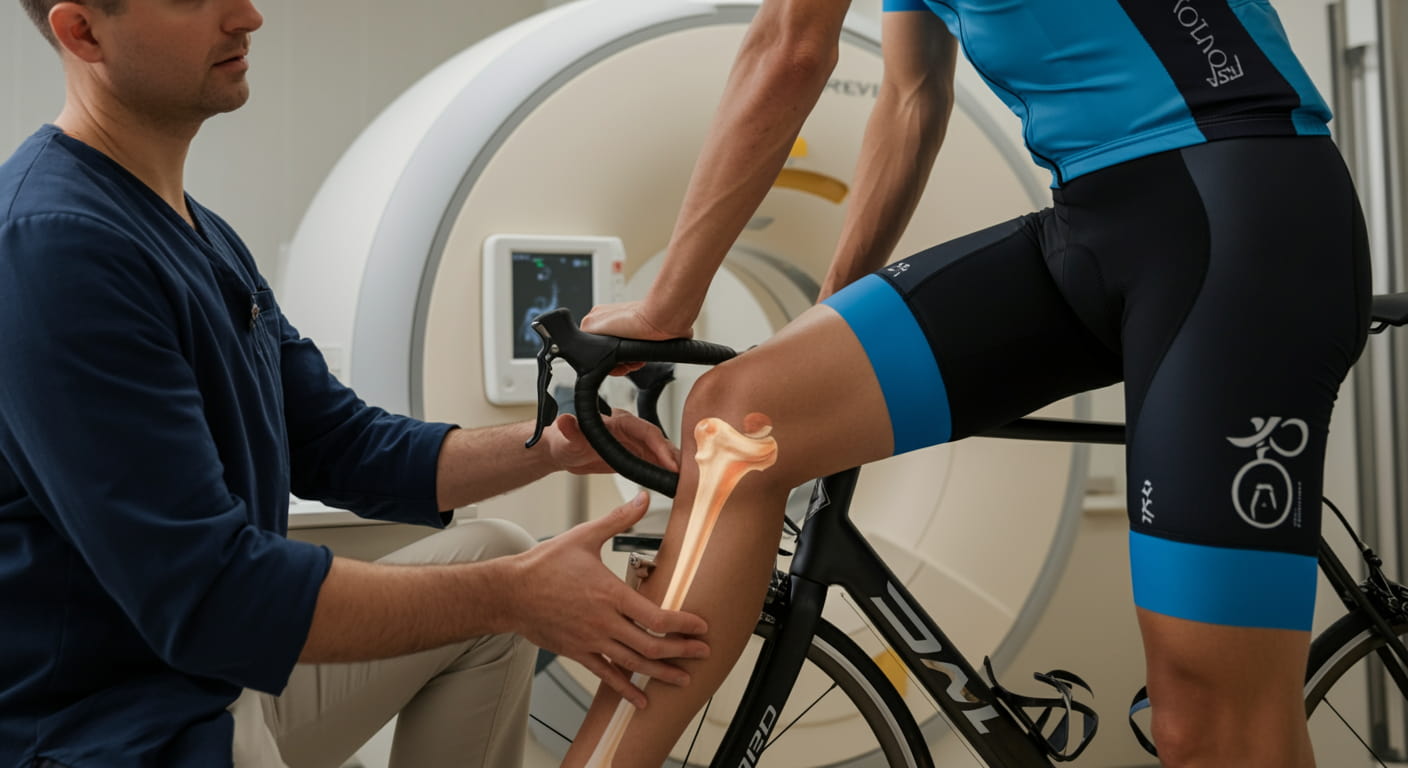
38	11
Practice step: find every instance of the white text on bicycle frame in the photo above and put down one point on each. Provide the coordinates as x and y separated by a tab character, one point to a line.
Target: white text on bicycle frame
1273	494
923	642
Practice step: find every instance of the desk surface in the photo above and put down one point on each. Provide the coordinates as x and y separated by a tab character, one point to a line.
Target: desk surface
303	513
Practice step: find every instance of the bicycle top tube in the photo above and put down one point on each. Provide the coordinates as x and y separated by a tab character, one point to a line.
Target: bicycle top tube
594	356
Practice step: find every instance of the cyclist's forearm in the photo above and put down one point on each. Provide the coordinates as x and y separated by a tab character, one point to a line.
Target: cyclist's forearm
774	84
897	155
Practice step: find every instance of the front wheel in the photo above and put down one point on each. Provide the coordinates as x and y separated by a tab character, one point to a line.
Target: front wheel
843	712
840	689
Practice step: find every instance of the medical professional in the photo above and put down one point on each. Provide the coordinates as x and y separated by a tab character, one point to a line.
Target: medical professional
156	410
1204	246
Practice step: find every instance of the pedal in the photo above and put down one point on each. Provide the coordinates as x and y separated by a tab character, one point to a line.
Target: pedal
1057	740
637	542
638	568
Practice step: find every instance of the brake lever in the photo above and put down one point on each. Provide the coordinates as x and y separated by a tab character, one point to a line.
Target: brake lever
547	406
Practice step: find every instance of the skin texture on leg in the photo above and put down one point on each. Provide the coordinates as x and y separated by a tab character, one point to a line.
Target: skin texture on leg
814	382
723	455
1225	696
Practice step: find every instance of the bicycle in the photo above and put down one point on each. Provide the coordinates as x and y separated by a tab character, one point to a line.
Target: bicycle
1001	728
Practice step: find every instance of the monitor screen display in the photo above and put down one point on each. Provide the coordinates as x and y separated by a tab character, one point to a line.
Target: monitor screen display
543	282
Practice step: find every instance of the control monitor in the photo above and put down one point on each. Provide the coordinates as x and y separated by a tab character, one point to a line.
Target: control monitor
527	275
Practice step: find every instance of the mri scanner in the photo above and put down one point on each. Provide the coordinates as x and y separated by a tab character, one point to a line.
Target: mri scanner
570	137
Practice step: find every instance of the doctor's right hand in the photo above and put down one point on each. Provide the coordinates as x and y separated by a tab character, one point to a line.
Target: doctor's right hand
569	603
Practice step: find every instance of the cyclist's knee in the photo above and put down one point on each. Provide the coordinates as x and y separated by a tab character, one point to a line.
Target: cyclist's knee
724	391
1178	739
731	393
1202	736
1206	716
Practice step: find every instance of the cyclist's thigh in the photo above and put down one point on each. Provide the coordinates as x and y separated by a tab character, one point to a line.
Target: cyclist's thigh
971	334
1233	363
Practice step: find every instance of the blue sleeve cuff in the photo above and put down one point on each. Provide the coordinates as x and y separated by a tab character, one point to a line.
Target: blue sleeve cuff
905	5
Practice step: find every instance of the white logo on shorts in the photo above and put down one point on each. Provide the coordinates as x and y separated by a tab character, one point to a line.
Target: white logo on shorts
1263	482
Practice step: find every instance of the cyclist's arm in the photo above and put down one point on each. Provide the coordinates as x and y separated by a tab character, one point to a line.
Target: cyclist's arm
781	68
906	128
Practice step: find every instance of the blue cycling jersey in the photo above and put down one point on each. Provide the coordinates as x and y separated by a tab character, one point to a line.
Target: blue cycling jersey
1100	82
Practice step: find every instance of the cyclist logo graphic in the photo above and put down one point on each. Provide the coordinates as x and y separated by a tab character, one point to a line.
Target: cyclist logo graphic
1262	492
895	270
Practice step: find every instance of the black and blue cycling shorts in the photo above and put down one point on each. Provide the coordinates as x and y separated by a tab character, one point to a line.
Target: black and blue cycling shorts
1226	284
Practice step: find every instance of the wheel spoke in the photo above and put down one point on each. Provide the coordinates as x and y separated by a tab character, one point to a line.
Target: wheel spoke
815	702
1367	748
540	721
703	716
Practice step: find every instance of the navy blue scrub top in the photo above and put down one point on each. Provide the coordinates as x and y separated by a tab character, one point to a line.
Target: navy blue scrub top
156	409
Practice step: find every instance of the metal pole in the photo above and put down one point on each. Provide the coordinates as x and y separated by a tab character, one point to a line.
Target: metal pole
1393	54
1392	44
1353	131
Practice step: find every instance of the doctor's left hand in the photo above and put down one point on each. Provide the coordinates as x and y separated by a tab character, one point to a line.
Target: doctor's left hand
571	451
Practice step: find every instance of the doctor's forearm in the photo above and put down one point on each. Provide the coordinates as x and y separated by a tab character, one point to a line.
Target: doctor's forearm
375	611
478	464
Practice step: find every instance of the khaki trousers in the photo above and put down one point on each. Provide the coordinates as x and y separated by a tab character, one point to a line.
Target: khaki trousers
463	705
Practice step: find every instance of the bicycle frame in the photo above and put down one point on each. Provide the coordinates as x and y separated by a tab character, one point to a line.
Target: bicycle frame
1371	597
831	551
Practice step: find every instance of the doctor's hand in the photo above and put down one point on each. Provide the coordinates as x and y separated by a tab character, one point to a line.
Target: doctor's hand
566	601
571	451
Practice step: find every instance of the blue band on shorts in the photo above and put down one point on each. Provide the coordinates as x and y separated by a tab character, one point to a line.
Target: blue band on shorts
1218	585
901	359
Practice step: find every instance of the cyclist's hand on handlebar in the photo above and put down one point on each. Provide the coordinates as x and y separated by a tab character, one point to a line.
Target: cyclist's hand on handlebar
630	321
569	603
571	451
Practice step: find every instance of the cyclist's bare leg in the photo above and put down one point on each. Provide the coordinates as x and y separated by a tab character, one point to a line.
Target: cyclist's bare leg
813	380
1226	695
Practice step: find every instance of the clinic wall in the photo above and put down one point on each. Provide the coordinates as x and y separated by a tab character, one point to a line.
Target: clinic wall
320	71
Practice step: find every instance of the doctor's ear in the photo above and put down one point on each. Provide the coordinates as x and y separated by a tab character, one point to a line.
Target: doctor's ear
72	26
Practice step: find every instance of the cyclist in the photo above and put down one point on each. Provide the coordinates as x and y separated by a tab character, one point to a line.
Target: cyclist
1204	246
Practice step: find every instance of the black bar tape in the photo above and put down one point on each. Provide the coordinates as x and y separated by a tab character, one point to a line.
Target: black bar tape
610	449
673	351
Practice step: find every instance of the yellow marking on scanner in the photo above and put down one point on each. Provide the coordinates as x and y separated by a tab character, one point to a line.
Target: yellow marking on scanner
811	182
889	663
818	184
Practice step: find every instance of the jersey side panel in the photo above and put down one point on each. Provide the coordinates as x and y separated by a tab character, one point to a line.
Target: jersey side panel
1264	25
